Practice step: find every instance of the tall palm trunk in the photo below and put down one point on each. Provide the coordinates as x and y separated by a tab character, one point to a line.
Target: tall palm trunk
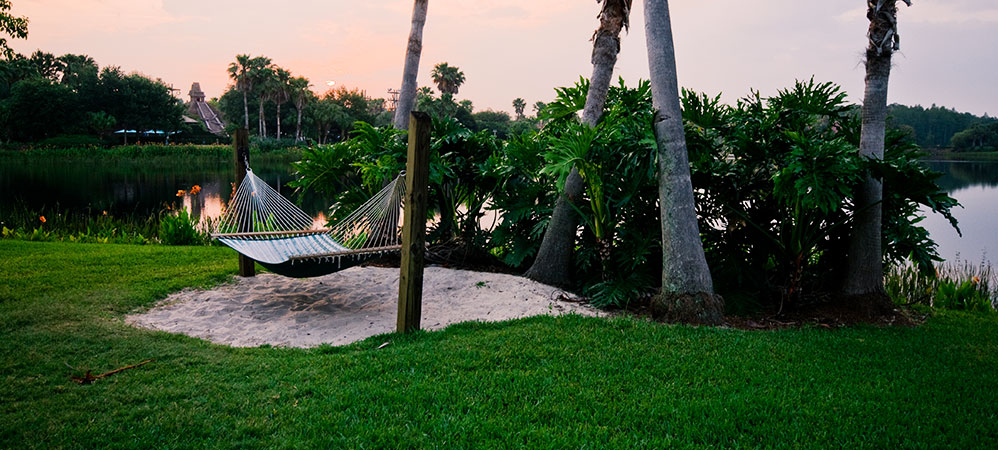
687	293
864	278
245	111
407	95
298	124
263	121
553	264
278	121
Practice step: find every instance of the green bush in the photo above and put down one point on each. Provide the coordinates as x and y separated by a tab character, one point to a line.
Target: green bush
180	229
774	180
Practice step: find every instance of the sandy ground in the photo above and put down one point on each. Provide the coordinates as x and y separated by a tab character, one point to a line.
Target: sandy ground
347	306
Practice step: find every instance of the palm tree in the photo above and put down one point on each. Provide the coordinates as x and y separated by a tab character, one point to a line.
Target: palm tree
48	65
518	106
553	264
864	280
301	95
262	74
687	293
447	78
407	95
239	72
279	92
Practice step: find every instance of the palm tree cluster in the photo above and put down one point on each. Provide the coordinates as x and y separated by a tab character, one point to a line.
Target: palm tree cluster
270	83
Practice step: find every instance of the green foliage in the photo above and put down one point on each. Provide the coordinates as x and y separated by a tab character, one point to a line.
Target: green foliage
56	224
447	78
617	257
38	108
956	285
774	180
180	229
15	27
351	171
47	96
977	137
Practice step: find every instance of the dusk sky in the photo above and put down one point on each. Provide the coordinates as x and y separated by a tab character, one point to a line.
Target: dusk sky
525	48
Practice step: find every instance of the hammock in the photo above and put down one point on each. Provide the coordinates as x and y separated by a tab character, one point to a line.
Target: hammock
269	229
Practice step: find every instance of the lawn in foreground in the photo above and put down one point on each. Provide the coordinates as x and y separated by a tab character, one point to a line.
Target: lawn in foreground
550	382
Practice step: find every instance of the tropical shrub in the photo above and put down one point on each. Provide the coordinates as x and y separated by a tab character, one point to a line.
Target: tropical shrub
180	229
353	170
774	180
773	177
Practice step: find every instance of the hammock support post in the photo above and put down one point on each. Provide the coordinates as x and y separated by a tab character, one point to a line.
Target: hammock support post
414	223
240	151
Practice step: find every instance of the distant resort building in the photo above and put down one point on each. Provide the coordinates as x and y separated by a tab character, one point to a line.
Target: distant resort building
204	113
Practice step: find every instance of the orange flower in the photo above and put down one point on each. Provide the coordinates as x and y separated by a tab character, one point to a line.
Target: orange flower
195	190
42	218
181	193
105	212
976	280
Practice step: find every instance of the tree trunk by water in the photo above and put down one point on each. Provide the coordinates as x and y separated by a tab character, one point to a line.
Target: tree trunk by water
553	264
407	95
687	293
863	286
278	121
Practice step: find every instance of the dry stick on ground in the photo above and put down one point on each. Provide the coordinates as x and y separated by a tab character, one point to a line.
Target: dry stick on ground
88	378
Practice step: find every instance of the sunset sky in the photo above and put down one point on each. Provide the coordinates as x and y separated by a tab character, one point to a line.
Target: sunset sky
525	48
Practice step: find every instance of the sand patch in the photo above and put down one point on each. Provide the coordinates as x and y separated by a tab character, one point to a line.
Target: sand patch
346	306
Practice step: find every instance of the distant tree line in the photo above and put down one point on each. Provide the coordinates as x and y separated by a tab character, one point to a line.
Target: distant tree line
941	127
44	96
277	102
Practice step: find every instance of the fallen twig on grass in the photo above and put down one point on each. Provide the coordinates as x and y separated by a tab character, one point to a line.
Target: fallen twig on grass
88	378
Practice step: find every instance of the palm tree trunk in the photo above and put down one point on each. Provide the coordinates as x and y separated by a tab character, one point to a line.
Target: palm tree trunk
407	95
553	264
687	293
245	111
298	125
278	121
263	122
863	286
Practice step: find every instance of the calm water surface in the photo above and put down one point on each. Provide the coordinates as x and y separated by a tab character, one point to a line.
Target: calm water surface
975	185
132	187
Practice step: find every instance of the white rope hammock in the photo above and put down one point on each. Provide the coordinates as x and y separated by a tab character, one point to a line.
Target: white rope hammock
269	229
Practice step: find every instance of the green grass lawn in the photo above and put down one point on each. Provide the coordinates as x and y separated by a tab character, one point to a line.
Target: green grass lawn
567	382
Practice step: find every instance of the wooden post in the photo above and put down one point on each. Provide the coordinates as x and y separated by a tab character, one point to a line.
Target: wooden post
417	174
240	151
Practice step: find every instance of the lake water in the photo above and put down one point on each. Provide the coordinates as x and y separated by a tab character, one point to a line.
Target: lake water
124	187
975	185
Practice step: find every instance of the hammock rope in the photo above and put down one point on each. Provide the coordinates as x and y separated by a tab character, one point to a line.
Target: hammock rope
263	225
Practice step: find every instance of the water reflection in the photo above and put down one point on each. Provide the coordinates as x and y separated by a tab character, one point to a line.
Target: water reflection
975	186
133	187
